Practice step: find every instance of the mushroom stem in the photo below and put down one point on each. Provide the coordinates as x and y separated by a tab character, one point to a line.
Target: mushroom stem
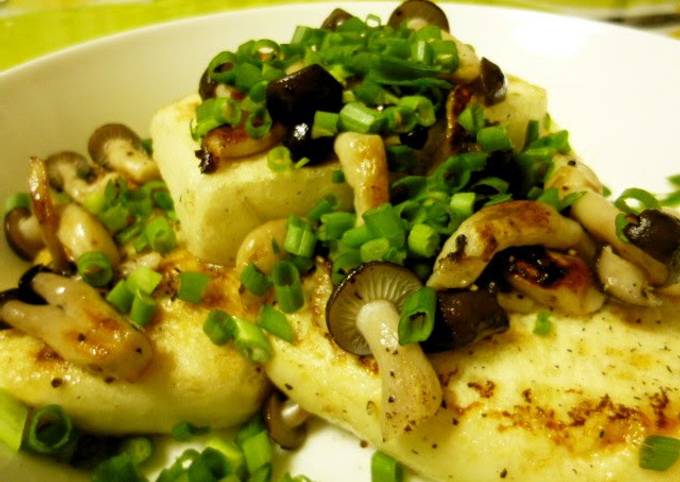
45	212
411	392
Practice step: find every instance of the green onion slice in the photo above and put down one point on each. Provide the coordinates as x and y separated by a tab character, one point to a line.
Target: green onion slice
121	297
644	199
192	286
50	430
385	469
287	286
95	268
255	280
276	323
659	452
543	325
144	279
143	309
417	316
279	160
13	417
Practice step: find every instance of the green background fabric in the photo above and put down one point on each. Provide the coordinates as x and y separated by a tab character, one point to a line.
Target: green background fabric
29	28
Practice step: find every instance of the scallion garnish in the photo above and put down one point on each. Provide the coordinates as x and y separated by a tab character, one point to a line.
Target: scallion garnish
620	223
644	199
160	235
417	316
423	108
543	325
184	431
325	124
258	451
357	117
50	430
337	177
192	286
19	200
374	250
143	279
118	468
355	237
472	118
215	112
334	225
423	240
13	417
143	309
287	286
140	449
659	452
494	138
255	280
276	323
384	222
235	461
95	268
121	297
385	469
218	327
300	239
279	160
249	340
258	123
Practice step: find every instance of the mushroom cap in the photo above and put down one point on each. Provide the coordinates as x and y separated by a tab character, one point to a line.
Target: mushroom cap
24	247
369	282
99	138
421	9
287	436
336	18
82	167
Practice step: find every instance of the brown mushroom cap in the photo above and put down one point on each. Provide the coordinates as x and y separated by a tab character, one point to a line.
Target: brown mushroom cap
369	282
656	233
58	161
23	245
97	143
421	9
492	82
286	429
336	18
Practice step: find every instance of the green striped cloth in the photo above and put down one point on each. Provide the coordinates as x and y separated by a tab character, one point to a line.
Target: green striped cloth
29	28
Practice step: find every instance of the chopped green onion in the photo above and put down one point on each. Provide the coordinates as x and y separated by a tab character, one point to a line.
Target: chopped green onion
385	469
287	286
276	323
606	192
374	250
399	119
645	199
334	225
401	158
300	240
139	448
115	218
263	474
13	417
255	280
184	431
659	452
324	206
620	223
355	237
675	180
373	94
472	118
533	131
192	286
120	468
325	124
423	240
543	325
357	117
218	327
672	200
462	204
249	340
445	54
178	469
246	75
557	140
235	461
50	430
121	297
257	450
221	67
249	429
19	200
143	279
494	138
279	160
209	466
95	268
384	222
212	113
496	183
421	51
498	199
163	200
417	316
258	123
143	309
337	176
423	108
160	235
258	91
344	263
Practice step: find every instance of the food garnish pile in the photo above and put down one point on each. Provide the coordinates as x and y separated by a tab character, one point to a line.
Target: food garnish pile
369	224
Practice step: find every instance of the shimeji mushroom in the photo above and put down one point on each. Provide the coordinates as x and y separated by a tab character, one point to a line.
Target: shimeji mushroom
363	318
76	323
22	232
119	148
69	172
285	421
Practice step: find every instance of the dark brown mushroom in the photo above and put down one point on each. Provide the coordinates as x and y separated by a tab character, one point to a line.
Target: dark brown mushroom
424	10
23	233
465	317
301	144
65	166
285	421
119	148
206	86
295	98
336	18
492	82
658	234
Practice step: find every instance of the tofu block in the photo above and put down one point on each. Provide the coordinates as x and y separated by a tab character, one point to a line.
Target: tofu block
218	210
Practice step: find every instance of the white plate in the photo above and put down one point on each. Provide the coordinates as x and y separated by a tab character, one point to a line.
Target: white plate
616	90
